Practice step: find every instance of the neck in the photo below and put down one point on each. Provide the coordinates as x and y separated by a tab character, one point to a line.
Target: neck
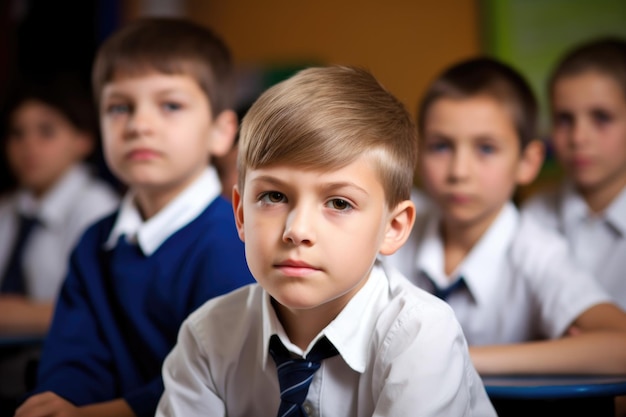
599	198
459	239
302	326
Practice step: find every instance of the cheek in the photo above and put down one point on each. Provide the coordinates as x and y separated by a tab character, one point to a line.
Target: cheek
613	143
559	140
432	171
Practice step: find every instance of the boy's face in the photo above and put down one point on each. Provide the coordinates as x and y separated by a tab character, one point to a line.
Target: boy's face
312	236
589	129
42	144
158	132
470	159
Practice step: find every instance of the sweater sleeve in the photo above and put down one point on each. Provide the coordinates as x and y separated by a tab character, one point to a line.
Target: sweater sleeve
75	362
144	400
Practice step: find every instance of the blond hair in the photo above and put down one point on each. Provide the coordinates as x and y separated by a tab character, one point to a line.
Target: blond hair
324	118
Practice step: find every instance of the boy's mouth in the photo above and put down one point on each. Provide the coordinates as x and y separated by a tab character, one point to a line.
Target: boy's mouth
295	268
142	154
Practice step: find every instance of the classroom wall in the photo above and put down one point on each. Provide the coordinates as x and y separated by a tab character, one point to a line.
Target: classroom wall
403	42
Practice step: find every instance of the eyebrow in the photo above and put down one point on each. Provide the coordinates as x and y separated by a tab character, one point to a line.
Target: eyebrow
331	186
115	94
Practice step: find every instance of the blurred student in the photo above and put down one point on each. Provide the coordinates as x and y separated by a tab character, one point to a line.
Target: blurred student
165	96
326	163
588	104
512	284
49	132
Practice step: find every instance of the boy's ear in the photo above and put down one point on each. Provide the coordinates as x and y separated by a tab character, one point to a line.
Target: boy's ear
238	211
399	227
223	133
530	162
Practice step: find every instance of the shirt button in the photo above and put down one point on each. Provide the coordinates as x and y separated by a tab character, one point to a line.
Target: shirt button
308	409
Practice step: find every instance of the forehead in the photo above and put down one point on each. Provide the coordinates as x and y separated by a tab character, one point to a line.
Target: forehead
473	116
591	88
34	110
361	173
150	80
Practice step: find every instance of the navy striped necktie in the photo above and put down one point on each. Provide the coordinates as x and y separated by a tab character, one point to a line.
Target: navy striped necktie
444	293
13	281
295	374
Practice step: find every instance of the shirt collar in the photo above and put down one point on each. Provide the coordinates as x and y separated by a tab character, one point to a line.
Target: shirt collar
615	213
574	209
150	234
350	339
51	209
481	267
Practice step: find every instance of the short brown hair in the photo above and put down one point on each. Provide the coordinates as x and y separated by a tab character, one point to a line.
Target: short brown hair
169	46
606	55
489	77
325	118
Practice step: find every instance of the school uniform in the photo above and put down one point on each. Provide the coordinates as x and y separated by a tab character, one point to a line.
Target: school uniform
517	283
401	352
60	217
77	200
130	286
597	241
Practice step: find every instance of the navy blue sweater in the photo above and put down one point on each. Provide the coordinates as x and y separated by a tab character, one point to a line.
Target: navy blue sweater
119	311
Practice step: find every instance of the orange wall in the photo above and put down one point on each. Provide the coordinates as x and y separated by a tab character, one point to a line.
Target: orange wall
403	42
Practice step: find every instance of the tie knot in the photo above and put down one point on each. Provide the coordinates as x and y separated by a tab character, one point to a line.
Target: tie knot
444	293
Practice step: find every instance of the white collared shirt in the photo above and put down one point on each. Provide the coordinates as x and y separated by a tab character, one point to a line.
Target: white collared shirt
401	353
76	201
521	283
185	207
597	241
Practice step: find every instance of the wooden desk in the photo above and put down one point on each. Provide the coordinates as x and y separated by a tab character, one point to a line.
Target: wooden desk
554	395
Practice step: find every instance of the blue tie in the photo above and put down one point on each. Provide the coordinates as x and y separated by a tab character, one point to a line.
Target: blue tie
295	374
444	293
13	281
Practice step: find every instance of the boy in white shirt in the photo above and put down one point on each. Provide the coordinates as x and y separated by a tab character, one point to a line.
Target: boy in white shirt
50	133
511	283
326	162
588	103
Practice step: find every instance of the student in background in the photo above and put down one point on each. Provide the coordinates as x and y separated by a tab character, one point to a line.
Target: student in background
164	90
326	163
588	103
49	131
513	285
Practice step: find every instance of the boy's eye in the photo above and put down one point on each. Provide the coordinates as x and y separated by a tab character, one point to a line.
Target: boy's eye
438	146
486	148
272	197
563	120
339	204
117	109
171	106
601	117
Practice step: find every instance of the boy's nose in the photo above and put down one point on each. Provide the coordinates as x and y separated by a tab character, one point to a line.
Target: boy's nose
140	122
459	166
579	133
299	228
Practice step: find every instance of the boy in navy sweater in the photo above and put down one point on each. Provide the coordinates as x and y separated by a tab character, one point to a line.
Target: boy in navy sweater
164	89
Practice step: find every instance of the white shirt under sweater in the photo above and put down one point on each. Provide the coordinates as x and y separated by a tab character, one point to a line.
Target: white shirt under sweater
77	200
402	353
182	210
597	241
521	283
